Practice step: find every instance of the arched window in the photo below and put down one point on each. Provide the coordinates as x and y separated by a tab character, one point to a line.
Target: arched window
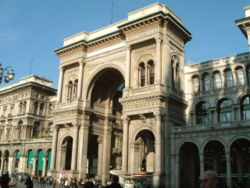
225	110
228	78
70	88
35	107
142	74
20	107
240	76
36	129
196	84
245	108
206	82
175	71
151	72
248	74
75	88
217	80
202	113
41	109
24	107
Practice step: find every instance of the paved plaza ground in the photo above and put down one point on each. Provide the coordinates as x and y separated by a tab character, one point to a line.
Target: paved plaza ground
36	185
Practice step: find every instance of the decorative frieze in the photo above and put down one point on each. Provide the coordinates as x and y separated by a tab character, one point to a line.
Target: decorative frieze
143	102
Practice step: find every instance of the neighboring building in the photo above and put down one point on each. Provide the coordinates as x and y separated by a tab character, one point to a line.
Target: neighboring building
127	104
26	124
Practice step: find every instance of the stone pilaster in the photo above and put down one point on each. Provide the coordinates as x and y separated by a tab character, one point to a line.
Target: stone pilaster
10	165
228	164
128	66
125	144
83	148
100	155
60	84
34	166
158	150
158	61
54	148
201	154
44	166
74	150
106	150
79	92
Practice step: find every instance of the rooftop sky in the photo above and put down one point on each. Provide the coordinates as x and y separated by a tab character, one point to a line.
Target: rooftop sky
30	31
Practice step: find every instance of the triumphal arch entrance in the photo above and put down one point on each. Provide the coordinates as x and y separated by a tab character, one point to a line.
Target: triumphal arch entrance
120	90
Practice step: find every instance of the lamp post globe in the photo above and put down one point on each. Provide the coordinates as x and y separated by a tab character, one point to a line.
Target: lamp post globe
7	73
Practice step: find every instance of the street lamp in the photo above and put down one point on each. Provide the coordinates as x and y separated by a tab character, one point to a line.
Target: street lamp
9	74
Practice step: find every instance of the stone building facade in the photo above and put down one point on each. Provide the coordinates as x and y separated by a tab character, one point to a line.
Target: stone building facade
26	126
127	105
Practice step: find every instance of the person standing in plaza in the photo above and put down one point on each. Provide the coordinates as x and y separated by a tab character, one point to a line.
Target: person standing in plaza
5	179
209	179
29	182
115	183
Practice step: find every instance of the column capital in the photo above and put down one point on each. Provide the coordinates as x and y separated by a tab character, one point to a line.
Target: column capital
158	39
128	47
158	114
125	118
55	127
99	139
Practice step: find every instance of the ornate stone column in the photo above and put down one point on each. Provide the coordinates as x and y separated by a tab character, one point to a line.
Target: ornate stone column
2	164
177	174
158	61
54	147
228	164
83	147
79	91
106	149
125	144
22	164
10	165
235	81
34	166
44	166
201	83
60	84
74	149
128	66
201	162
100	154
158	150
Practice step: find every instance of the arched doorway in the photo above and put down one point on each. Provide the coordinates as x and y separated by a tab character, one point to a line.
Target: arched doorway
92	155
48	161
40	162
6	161
240	161
66	153
105	131
189	166
144	152
17	160
30	161
215	159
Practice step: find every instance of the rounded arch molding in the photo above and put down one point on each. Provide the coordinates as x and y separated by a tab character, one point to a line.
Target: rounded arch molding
65	136
94	76
139	129
181	143
145	58
206	141
237	137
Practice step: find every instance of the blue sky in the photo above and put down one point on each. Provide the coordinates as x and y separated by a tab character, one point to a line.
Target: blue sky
30	30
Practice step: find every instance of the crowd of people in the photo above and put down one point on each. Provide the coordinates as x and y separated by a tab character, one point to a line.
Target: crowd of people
209	179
